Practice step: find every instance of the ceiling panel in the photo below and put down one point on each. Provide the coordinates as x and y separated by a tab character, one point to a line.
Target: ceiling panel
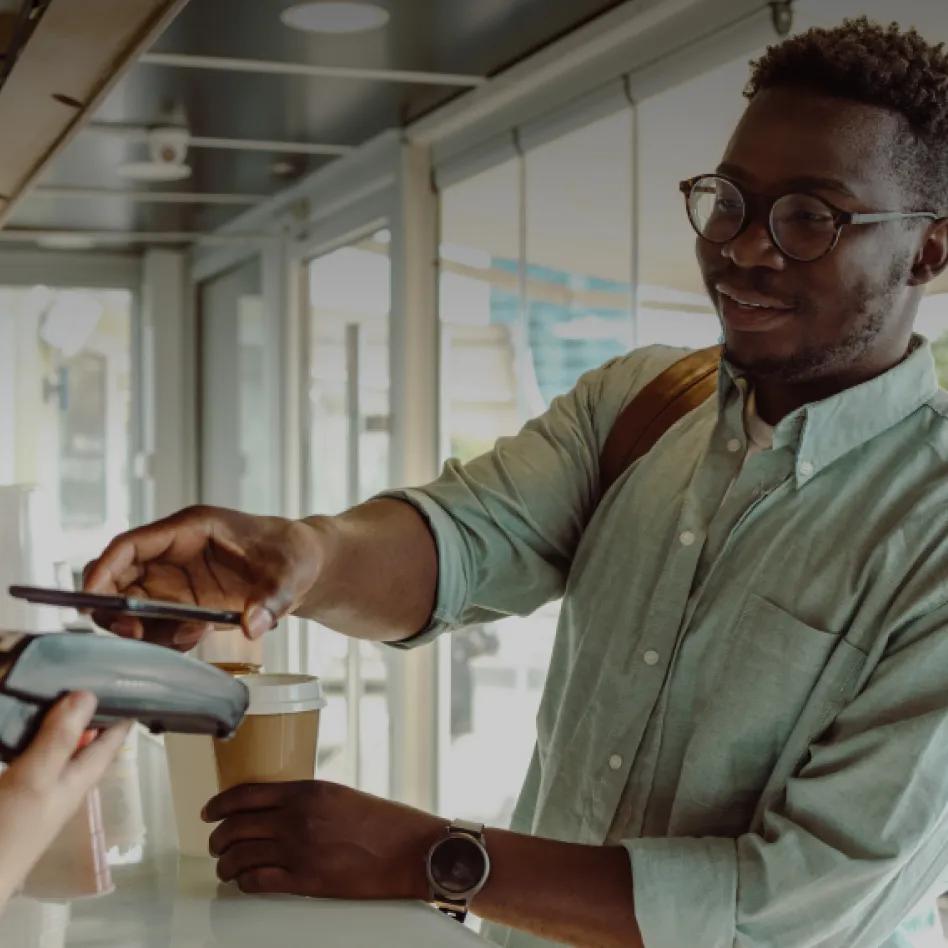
453	36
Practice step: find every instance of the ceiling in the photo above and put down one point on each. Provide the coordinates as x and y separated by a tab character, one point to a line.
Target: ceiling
456	37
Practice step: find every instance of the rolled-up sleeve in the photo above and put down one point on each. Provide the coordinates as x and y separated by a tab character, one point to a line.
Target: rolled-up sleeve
857	841
507	523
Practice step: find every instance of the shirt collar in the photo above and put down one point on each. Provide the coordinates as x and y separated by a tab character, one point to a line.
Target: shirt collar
822	432
758	431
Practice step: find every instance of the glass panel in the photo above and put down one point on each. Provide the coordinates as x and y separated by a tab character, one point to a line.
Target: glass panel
349	300
66	408
504	357
579	254
236	468
681	132
482	344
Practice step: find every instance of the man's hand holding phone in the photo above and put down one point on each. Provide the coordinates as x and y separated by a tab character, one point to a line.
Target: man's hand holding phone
260	567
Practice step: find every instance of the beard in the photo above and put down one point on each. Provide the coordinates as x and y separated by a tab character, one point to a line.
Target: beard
874	304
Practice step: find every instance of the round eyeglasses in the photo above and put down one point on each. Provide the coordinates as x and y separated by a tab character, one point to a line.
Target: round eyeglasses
803	227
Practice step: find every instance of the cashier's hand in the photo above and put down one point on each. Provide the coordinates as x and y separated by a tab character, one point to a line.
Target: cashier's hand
321	839
261	567
45	785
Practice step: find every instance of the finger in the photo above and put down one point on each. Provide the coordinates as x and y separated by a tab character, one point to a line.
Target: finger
242	828
272	879
189	634
128	627
269	601
121	580
182	636
256	621
44	760
175	540
247	798
253	854
86	769
289	573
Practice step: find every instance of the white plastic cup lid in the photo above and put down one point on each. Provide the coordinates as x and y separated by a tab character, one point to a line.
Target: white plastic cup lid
283	694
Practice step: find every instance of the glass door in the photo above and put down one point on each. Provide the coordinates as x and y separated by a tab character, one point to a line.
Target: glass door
348	305
67	409
236	465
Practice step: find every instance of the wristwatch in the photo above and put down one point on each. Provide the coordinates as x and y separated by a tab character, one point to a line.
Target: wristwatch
457	866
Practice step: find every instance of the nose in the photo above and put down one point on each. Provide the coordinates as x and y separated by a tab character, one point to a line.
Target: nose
753	247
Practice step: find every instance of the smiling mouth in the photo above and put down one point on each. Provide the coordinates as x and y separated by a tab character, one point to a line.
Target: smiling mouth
749	301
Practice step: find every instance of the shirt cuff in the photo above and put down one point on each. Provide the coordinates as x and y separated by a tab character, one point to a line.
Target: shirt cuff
685	891
449	602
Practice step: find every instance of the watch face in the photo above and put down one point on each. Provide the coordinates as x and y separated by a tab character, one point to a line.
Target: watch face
458	864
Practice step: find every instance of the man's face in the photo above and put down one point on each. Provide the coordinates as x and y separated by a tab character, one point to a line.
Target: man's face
817	319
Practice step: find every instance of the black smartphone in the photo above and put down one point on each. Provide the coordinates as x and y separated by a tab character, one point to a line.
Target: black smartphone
126	605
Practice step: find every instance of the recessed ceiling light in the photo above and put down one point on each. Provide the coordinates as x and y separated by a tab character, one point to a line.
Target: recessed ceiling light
323	16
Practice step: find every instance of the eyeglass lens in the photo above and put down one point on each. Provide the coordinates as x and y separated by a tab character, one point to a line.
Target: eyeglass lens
803	226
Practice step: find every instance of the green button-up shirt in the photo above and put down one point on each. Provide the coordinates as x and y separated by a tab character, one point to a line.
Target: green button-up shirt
749	685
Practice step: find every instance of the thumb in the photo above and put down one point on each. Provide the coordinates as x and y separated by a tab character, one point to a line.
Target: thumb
42	763
257	620
274	592
267	603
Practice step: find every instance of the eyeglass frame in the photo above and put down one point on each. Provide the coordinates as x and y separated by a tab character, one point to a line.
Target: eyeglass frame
841	218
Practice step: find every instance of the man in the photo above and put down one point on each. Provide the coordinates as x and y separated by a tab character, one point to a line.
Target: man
744	734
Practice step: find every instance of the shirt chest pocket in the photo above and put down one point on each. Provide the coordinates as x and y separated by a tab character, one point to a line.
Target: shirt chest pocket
745	712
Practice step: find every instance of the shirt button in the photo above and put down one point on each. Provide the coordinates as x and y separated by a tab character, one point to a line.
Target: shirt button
734	445
615	762
806	469
650	657
687	538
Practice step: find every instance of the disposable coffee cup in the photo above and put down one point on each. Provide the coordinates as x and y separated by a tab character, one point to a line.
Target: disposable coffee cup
193	779
192	773
75	866
277	739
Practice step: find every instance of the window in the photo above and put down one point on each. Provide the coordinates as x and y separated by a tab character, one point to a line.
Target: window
579	253
681	132
66	407
236	468
482	399
535	289
235	459
349	302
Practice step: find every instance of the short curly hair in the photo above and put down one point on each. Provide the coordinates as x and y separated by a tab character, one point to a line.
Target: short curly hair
889	67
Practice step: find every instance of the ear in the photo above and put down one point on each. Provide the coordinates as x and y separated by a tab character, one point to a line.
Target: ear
932	256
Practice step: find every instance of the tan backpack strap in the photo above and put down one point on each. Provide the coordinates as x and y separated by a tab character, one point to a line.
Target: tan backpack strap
682	387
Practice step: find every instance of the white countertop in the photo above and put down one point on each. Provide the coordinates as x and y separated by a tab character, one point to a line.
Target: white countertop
161	899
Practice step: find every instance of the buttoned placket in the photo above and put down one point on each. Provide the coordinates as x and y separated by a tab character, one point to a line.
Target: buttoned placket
655	653
647	666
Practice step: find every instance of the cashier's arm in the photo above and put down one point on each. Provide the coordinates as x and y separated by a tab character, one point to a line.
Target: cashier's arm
46	784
